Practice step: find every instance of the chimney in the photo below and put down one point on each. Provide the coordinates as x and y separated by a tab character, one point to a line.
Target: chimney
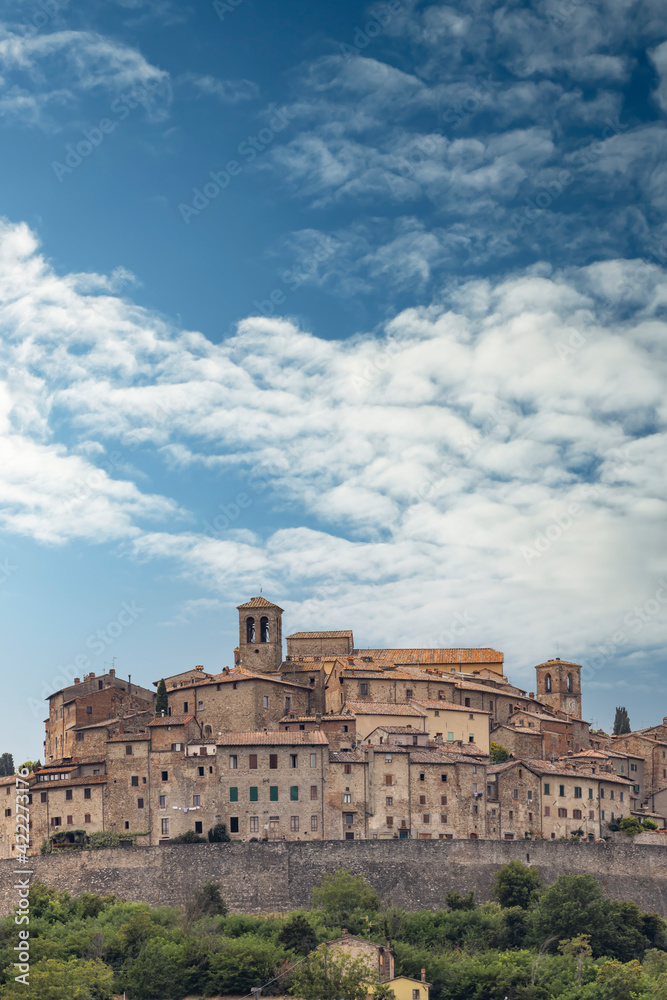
199	666
91	675
531	694
112	672
77	680
423	971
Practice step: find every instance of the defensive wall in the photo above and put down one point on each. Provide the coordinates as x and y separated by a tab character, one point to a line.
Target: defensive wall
277	877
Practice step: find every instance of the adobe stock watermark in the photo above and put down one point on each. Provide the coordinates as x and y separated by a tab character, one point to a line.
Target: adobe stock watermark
485	87
93	482
7	570
93	137
225	7
635	620
550	191
97	642
380	18
458	627
41	15
249	149
292	279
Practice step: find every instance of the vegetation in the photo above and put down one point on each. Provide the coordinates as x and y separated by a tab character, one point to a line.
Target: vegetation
189	837
161	700
6	765
621	722
28	765
499	753
218	834
566	941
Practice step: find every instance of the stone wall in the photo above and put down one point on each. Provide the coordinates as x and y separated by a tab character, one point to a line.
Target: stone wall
277	877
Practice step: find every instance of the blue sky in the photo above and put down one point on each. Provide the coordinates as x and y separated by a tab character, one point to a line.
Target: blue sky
362	305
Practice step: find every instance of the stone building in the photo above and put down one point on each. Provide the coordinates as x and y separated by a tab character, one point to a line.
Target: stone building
559	685
260	635
378	958
87	702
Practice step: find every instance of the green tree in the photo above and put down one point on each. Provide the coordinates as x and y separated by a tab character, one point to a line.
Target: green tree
621	722
649	823
499	753
340	893
297	935
6	765
31	765
161	700
329	974
218	834
517	885
572	905
209	900
455	901
578	947
618	981
189	837
631	825
53	979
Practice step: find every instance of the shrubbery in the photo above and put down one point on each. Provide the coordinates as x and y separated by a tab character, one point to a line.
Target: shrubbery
566	941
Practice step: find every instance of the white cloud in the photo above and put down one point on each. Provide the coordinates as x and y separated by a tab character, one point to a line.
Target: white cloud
659	60
421	466
225	91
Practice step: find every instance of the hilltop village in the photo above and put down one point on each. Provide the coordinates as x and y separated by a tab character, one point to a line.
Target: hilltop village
333	742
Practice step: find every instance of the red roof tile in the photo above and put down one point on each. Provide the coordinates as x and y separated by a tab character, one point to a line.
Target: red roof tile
272	738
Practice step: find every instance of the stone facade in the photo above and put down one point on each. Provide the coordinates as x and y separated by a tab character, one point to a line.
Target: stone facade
559	685
260	635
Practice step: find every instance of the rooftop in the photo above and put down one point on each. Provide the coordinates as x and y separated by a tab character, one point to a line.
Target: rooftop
433	655
257	602
344	634
448	706
383	708
172	720
265	738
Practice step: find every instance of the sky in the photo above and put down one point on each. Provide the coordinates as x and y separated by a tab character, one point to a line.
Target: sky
359	307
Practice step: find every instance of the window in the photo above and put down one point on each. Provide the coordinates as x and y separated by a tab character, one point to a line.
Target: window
443	777
199	826
250	629
511	814
233	761
577	792
87	793
185	707
79	736
313	824
254	793
389	800
56	821
313	793
288	702
254	824
450	737
422	776
602	793
164	827
443	800
475	810
568	683
547	810
363	688
591	814
200	772
561	790
633	767
163	802
347	797
387	758
233	795
422	800
266	701
313	761
562	813
426	819
70	819
89	709
134	780
294	793
200	706
590	793
415	995
86	818
611	794
273	793
515	793
165	775
576	814
68	795
530	795
389	779
252	761
273	761
42	796
293	760
140	803
347	768
294	824
602	814
389	820
233	824
408	693
263	629
621	794
547	683
128	750
443	817
466	702
546	788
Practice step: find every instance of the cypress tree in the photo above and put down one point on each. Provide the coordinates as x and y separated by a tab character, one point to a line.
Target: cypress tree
161	701
621	722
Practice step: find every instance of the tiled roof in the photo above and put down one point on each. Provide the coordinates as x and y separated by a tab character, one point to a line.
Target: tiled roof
200	743
172	720
263	738
382	708
233	676
88	779
449	706
129	737
488	689
433	655
257	602
546	767
401	731
345	633
558	663
346	757
423	756
315	718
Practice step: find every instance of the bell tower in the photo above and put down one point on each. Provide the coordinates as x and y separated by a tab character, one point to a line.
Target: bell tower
559	685
260	635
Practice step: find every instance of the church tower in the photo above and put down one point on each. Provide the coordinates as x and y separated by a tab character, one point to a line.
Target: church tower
260	635
559	685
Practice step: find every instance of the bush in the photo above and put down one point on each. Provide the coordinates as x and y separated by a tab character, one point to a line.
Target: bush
341	893
517	885
189	837
218	834
631	825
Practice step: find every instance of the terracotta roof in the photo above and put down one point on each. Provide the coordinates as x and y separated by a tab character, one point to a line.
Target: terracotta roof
235	675
346	757
129	737
449	706
488	689
546	767
506	765
382	708
438	756
257	602
433	655
263	738
172	720
71	761
88	779
345	633
399	731
558	663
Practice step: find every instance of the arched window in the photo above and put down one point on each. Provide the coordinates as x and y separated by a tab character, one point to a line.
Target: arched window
264	629
250	629
569	683
547	683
